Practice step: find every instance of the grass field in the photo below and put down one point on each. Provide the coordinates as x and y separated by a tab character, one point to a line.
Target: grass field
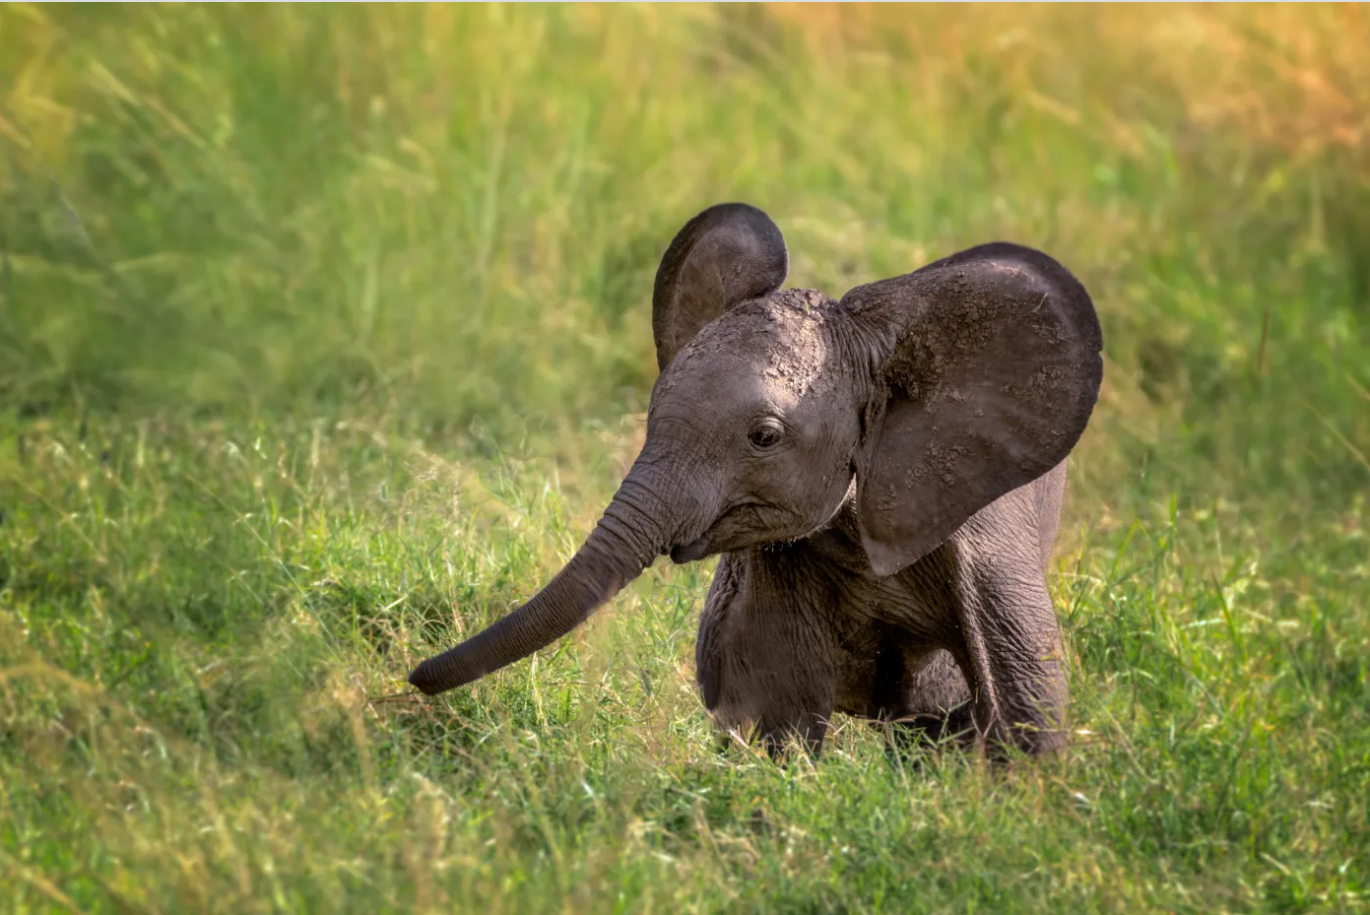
325	335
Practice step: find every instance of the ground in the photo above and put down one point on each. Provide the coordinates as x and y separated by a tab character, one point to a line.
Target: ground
325	335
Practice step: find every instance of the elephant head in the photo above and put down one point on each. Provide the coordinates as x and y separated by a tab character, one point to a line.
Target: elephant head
915	401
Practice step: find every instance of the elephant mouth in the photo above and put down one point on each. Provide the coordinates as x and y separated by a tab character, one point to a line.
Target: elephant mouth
732	530
693	551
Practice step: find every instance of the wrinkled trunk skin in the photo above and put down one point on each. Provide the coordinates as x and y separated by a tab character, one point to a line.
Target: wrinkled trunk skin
629	536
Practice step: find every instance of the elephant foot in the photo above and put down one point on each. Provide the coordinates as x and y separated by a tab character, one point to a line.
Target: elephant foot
909	738
778	740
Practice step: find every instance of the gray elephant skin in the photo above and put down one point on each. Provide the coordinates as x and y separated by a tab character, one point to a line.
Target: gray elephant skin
883	476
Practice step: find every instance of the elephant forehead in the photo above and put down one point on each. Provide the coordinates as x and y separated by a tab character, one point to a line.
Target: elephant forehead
780	345
799	359
794	345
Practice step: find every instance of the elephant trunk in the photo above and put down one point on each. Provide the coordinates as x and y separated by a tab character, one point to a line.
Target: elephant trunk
628	537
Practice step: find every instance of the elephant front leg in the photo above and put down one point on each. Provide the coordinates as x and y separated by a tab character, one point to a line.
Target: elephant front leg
763	693
775	727
765	676
1012	660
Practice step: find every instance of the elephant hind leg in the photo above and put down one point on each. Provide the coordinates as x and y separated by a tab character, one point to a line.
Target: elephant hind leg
954	727
920	699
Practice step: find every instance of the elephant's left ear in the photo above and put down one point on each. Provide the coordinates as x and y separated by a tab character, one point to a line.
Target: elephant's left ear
728	254
985	369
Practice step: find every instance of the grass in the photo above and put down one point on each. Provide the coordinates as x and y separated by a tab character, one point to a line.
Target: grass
324	336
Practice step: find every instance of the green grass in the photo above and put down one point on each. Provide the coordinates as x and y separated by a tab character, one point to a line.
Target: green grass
324	336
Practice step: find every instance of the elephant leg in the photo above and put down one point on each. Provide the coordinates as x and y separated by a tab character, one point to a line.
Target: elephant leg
920	698
1011	655
766	673
769	692
806	729
907	740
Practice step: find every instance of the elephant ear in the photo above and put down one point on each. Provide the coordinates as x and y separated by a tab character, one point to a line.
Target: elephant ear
728	254
985	369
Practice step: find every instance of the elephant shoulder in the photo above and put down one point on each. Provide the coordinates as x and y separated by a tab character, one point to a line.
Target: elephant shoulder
1005	533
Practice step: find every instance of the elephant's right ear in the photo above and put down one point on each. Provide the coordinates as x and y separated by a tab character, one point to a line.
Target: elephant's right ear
728	254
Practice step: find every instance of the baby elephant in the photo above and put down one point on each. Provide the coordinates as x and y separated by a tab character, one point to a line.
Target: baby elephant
882	474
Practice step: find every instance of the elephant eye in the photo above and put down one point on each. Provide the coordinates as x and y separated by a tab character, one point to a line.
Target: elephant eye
767	436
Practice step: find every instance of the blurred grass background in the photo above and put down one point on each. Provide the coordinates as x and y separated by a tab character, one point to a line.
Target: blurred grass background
324	333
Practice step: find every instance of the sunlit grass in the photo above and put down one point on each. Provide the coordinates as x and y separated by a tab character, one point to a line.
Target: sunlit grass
324	336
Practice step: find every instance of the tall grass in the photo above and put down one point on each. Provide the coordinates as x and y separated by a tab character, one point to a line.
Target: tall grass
324	334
